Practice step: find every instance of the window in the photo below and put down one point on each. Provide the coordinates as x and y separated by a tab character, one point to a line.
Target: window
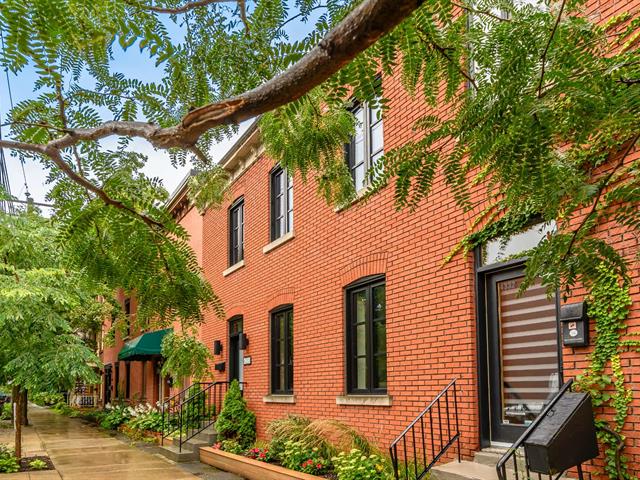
282	351
127	314
367	337
281	203
366	146
236	231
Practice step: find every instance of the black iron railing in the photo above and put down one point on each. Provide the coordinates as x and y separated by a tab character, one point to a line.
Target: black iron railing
193	410
428	437
514	464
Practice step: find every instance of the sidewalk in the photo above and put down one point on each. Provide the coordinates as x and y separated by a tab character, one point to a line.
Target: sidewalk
82	452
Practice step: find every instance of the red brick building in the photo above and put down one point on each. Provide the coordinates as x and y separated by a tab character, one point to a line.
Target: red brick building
350	313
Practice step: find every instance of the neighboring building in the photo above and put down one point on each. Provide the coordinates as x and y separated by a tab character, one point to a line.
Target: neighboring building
349	313
132	366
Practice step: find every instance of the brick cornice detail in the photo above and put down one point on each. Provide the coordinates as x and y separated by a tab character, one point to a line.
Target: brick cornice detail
372	264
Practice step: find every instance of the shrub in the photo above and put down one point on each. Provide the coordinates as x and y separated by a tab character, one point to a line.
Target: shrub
330	437
38	464
62	408
115	416
297	456
145	417
236	421
231	446
8	461
46	399
7	410
357	466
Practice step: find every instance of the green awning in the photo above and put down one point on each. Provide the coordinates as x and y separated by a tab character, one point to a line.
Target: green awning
145	346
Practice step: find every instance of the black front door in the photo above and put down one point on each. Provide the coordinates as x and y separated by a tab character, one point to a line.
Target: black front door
235	355
107	384
523	352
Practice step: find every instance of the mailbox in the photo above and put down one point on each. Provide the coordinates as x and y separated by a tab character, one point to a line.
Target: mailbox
220	367
575	325
565	437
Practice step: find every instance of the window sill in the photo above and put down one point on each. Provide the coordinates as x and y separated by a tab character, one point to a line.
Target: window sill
290	399
359	195
233	268
279	241
365	400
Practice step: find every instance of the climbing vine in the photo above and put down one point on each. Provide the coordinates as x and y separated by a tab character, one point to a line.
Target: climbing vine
609	303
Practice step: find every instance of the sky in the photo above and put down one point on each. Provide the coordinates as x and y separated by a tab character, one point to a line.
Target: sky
134	65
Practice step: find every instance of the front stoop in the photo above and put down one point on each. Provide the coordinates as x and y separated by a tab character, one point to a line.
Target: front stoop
483	467
191	448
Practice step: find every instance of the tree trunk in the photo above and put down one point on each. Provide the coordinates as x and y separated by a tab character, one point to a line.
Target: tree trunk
18	423
25	408
14	399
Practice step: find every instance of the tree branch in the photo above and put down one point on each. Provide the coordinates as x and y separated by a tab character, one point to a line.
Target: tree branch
543	57
188	6
362	27
480	12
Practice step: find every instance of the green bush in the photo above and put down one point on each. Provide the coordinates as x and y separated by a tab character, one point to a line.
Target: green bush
62	408
330	437
296	456
46	399
115	417
231	446
38	464
7	409
8	460
357	466
236	421
145	418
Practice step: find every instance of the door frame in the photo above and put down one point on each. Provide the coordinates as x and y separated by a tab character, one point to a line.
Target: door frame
235	337
482	272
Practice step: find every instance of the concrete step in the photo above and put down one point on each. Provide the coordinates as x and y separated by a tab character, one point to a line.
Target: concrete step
172	452
463	471
208	435
489	456
194	445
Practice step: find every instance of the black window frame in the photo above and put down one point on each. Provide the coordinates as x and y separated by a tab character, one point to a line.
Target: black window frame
127	313
280	190
286	338
236	222
127	379
364	284
350	148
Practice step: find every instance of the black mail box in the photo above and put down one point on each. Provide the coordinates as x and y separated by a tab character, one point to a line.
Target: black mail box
565	437
575	325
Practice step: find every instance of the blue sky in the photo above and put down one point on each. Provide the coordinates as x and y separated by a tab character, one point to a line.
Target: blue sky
134	65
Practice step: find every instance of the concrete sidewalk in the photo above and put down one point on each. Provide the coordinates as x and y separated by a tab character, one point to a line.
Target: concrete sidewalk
80	452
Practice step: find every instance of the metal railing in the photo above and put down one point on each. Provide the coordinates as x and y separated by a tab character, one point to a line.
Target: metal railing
514	464
192	410
428	437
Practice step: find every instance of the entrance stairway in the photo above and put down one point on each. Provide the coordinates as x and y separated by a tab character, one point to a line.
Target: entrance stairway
188	420
416	452
483	467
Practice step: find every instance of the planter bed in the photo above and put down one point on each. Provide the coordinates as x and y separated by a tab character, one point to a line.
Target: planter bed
249	468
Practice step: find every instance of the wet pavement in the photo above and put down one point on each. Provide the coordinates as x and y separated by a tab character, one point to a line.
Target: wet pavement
81	451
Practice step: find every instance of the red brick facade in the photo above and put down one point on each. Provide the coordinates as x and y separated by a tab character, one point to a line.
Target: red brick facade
431	312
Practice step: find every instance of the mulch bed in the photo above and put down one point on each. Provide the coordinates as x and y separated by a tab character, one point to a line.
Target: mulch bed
25	461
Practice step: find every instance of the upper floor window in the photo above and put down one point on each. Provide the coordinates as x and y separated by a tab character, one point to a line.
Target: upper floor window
367	337
282	351
127	315
236	231
281	203
367	145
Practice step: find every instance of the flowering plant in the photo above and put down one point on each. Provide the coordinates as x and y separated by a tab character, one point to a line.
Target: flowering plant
298	457
261	454
357	466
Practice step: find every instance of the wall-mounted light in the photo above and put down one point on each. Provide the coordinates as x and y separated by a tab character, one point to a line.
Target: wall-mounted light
217	347
220	367
243	341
